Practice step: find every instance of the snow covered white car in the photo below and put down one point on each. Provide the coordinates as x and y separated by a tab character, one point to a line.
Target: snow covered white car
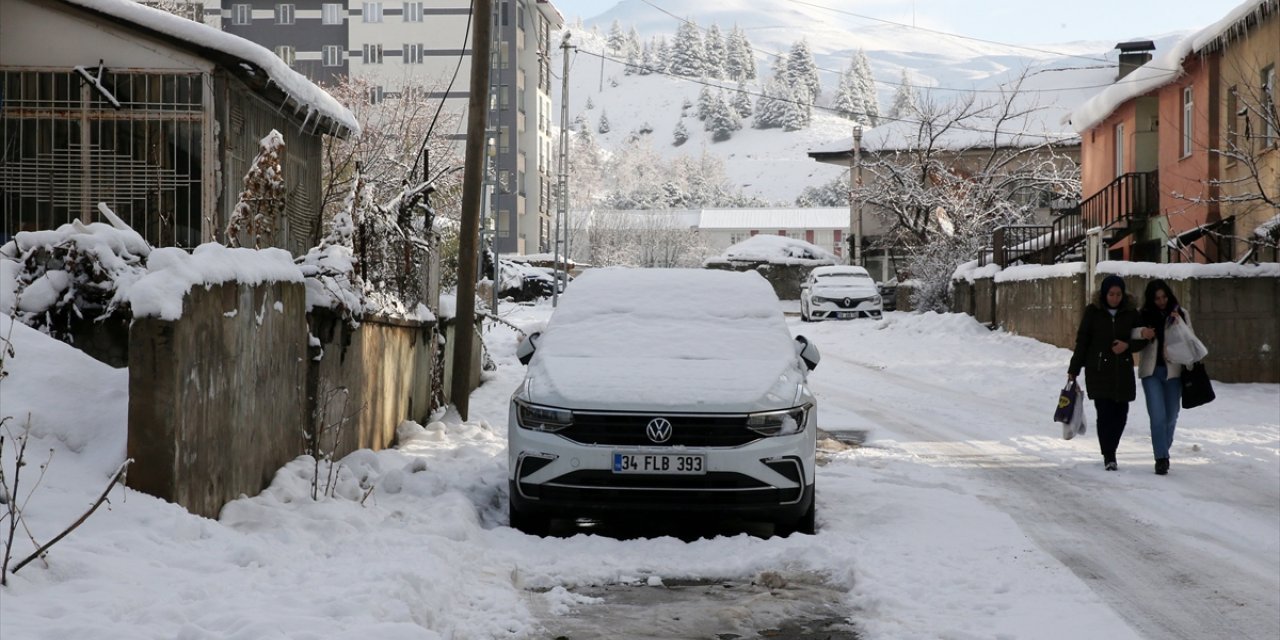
664	392
839	293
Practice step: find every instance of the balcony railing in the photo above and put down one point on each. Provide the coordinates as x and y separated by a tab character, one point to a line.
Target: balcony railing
1128	196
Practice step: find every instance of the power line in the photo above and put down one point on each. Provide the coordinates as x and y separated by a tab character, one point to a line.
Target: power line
1110	63
462	53
811	105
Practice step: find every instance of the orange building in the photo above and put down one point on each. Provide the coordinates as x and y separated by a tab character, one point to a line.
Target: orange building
1155	173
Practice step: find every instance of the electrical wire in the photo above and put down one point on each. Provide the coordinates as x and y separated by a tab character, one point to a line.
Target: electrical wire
462	54
962	127
1110	63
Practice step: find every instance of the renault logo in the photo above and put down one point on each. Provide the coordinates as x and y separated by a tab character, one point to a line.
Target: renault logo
848	302
659	430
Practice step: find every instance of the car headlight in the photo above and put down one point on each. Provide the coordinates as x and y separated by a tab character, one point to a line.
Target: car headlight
545	419
779	423
820	300
877	300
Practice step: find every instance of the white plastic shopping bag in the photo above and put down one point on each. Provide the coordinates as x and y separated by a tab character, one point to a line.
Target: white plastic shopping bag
1079	424
1181	346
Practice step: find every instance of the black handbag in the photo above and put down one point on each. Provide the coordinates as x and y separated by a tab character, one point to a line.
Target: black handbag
1196	389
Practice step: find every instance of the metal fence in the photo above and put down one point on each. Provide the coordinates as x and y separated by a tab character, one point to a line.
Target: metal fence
131	140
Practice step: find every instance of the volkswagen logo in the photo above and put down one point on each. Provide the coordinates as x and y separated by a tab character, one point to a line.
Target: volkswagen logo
659	430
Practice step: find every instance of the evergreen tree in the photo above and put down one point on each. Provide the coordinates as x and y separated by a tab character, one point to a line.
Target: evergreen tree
590	103
603	127
684	107
734	65
617	39
714	46
742	102
687	53
772	105
867	83
748	55
681	134
802	70
662	56
904	100
633	52
722	120
704	103
797	113
647	63
848	99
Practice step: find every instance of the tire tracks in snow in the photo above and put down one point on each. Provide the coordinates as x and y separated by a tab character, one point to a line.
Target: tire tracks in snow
1165	584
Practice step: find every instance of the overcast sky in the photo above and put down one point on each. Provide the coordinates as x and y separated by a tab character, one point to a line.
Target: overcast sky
1033	22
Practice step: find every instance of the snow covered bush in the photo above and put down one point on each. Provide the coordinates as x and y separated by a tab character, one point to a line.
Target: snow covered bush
72	274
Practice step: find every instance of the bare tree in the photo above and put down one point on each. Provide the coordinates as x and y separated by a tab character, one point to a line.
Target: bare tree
944	181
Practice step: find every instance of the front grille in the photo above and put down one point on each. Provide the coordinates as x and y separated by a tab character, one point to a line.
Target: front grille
606	490
686	430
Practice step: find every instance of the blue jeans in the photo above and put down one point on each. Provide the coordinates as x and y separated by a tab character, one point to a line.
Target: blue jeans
1164	398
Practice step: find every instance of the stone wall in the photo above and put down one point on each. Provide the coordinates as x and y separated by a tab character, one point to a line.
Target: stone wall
362	383
217	399
1236	317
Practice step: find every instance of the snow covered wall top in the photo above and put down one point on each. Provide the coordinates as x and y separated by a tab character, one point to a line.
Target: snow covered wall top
291	82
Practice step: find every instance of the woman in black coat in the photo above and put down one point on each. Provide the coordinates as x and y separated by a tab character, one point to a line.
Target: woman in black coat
1104	350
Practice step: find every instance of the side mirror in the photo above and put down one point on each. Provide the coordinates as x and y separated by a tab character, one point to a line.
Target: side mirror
527	346
808	352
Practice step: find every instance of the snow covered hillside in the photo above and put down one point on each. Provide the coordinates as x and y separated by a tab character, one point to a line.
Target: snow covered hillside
772	163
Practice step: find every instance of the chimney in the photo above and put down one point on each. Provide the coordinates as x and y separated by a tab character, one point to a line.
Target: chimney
1134	54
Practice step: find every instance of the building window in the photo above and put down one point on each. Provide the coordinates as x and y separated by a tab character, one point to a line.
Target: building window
241	14
373	54
286	53
504	101
1271	114
331	13
412	12
413	53
331	55
376	94
504	140
284	14
1188	115
372	12
1119	142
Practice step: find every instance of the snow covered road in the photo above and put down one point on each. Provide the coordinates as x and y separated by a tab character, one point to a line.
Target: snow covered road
963	515
1190	555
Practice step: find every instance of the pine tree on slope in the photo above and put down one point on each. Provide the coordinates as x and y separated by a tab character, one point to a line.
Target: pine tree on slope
617	39
681	134
715	52
741	102
802	70
867	84
687	53
904	100
603	127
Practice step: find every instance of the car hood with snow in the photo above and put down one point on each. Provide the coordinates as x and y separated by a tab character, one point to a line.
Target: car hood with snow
683	340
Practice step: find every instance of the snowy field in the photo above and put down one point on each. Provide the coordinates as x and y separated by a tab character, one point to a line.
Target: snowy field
963	515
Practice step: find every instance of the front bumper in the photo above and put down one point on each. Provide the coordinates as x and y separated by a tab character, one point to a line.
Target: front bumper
769	478
833	311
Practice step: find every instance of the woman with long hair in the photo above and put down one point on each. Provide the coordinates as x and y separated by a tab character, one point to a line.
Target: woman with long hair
1161	383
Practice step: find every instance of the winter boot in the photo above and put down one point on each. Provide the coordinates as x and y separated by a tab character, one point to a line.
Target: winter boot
1110	464
1162	466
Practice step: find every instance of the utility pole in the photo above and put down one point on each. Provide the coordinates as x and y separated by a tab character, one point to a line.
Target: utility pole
855	201
472	193
562	175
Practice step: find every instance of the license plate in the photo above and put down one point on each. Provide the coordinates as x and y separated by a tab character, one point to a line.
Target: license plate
663	463
845	315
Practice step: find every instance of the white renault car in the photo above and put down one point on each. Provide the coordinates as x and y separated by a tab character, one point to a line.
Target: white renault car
664	392
839	293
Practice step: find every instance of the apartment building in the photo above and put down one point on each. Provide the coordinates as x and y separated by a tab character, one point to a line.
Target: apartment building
426	45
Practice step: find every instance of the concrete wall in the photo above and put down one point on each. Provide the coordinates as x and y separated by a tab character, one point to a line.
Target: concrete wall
1236	318
1048	309
216	399
376	376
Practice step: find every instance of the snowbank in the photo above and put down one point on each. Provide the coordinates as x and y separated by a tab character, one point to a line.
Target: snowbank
172	272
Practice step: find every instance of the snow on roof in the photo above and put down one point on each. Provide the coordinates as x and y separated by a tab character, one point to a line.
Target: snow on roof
776	218
840	270
291	82
776	250
172	272
1162	69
